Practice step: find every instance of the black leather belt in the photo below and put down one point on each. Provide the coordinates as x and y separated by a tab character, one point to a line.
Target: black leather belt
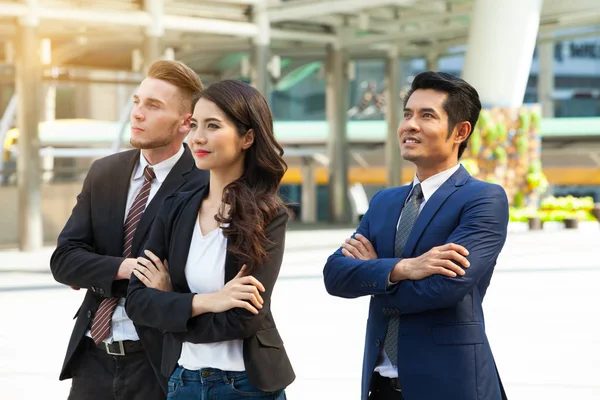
384	385
121	348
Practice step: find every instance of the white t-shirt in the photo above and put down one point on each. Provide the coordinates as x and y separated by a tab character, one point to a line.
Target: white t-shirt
205	273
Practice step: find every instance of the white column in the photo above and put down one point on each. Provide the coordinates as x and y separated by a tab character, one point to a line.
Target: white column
153	42
502	38
546	79
29	78
309	191
49	110
50	102
260	54
337	143
431	62
393	160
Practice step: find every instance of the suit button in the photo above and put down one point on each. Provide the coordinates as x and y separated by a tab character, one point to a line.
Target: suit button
101	291
378	343
89	314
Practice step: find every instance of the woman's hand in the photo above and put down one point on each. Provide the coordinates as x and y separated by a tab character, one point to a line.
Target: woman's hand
240	292
153	273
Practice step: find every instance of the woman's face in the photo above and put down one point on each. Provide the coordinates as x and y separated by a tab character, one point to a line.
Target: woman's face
214	139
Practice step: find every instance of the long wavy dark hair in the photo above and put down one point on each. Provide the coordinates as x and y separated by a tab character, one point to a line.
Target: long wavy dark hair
253	198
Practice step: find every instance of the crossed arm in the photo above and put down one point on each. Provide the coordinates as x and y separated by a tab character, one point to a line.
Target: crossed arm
207	318
432	280
75	262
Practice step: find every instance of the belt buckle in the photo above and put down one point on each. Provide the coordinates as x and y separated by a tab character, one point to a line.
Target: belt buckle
121	351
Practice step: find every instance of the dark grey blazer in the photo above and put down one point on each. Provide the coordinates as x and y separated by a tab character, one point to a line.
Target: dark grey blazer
90	246
265	358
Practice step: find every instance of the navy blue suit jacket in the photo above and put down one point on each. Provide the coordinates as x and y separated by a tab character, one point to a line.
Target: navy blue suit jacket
443	351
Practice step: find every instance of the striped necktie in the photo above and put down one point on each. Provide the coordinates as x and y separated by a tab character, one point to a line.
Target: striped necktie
102	321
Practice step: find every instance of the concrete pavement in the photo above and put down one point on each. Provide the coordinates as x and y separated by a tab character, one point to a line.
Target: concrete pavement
541	315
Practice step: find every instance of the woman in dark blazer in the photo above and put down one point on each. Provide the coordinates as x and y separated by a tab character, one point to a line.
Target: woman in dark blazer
214	255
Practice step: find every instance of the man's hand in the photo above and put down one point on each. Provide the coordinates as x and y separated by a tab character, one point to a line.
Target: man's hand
436	261
153	273
360	247
126	268
124	272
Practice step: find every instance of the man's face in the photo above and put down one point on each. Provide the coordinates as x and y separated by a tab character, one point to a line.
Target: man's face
423	133
157	117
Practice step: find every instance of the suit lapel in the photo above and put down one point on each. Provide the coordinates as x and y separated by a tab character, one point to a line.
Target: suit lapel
391	215
431	207
182	231
117	190
232	266
174	180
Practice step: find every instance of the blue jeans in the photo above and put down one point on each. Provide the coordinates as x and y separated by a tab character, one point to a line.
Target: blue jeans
214	384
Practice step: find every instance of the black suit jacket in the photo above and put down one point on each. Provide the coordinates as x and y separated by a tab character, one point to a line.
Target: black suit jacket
265	358
90	246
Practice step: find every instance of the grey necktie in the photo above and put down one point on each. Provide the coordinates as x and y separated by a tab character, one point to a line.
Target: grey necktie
410	212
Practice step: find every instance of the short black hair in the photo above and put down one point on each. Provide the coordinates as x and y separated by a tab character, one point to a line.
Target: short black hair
462	103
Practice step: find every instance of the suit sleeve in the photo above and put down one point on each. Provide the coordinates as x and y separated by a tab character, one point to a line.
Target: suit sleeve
74	261
482	231
167	311
239	323
350	278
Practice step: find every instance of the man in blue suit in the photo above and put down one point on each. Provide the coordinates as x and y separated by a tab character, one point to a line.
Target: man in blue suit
425	253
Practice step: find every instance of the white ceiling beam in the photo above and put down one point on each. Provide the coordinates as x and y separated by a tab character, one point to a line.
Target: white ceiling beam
313	37
221	11
246	2
559	38
561	7
82	16
554	25
403	37
592	14
218	27
140	19
432	6
330	20
13	10
395	26
306	10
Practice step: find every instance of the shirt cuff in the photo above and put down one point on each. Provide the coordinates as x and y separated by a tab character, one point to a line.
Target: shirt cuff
390	283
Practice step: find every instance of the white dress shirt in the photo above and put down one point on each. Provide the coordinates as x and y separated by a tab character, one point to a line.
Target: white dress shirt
205	273
429	186
122	327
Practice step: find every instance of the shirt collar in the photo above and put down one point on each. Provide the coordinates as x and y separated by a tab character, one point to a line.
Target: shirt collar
433	183
161	170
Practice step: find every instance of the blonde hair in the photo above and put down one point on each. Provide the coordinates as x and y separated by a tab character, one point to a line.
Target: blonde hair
179	75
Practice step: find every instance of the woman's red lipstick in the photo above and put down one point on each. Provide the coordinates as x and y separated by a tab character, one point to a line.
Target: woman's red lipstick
201	153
